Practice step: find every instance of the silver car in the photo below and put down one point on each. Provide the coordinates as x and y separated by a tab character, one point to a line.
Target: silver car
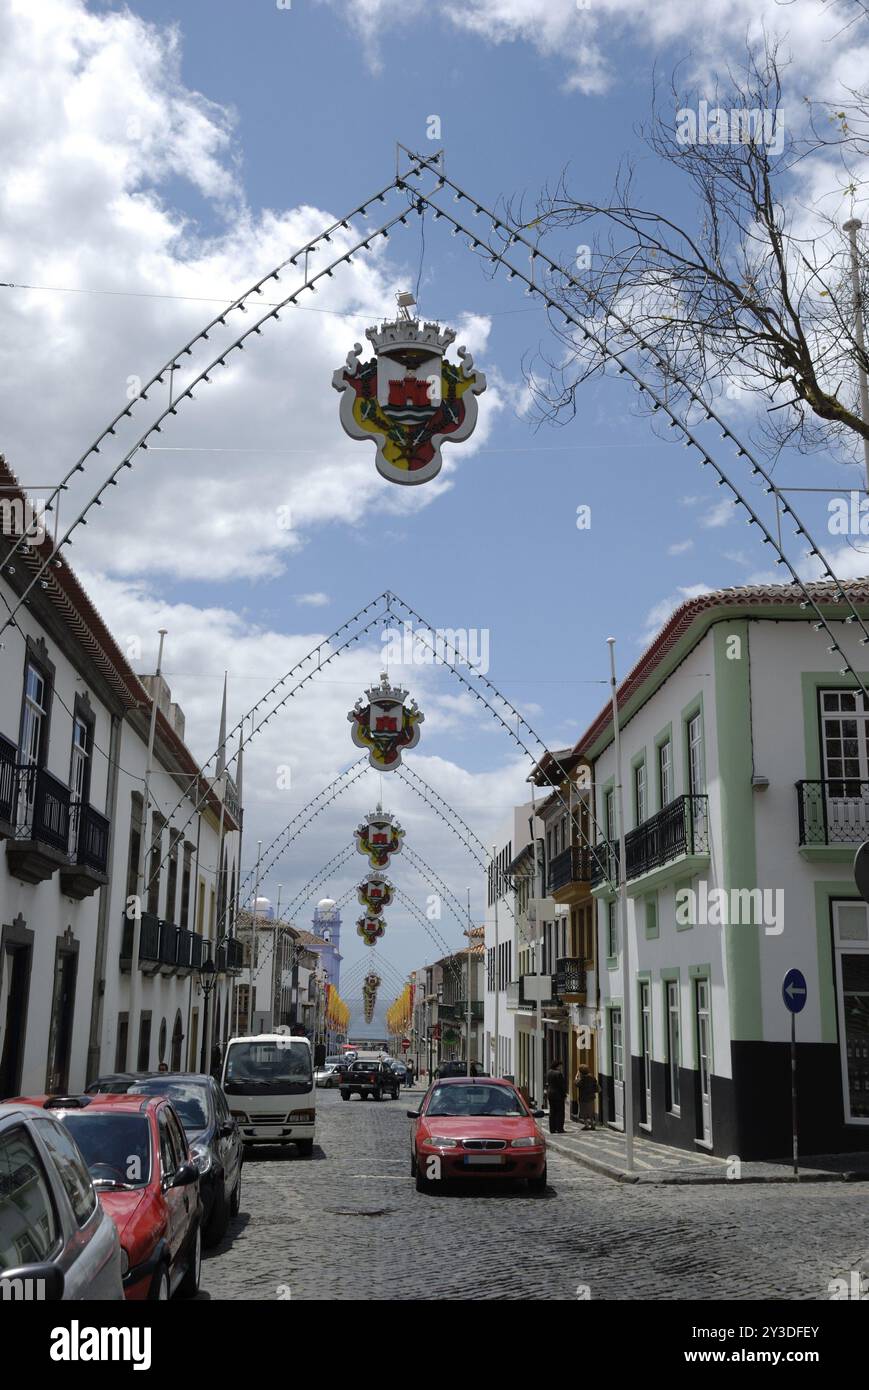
56	1242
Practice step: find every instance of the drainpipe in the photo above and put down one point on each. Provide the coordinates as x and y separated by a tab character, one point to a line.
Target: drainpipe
95	1038
135	983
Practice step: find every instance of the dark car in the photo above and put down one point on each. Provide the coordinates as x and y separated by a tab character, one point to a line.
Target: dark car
373	1078
459	1068
115	1084
215	1142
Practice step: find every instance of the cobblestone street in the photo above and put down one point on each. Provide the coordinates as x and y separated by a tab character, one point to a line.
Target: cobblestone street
348	1222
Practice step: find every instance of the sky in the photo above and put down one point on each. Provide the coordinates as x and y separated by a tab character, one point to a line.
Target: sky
159	158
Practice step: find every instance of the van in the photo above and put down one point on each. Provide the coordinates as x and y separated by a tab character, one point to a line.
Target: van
268	1081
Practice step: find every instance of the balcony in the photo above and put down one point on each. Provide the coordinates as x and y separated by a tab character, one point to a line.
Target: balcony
184	950
149	943
234	954
522	993
196	952
679	832
90	837
8	756
833	813
572	866
458	1010
39	844
570	980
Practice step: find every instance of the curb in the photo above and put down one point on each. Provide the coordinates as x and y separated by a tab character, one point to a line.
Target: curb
685	1180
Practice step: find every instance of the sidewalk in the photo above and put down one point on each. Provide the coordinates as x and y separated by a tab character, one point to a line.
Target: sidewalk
603	1150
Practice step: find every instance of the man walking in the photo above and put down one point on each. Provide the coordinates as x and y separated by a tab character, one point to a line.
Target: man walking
409	1068
556	1091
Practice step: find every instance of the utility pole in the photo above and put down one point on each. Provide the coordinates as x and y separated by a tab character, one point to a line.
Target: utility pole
132	1028
497	1068
253	940
470	944
852	227
627	1061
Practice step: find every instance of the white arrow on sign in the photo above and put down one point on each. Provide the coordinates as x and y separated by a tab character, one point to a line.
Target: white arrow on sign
793	989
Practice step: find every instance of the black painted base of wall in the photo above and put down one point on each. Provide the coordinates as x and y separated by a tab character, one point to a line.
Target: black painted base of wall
751	1114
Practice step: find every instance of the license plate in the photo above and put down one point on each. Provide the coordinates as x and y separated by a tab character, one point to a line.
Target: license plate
483	1160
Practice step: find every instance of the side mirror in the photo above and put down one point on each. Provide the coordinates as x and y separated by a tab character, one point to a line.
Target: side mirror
185	1175
227	1129
28	1282
413	1114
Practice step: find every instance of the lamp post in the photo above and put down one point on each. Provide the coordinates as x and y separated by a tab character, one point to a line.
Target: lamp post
207	981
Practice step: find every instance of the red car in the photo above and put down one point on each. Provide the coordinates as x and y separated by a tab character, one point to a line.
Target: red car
479	1126
148	1182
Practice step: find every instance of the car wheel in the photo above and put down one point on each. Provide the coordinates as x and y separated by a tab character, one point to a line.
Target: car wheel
219	1218
424	1184
235	1203
345	1095
413	1165
189	1286
305	1147
538	1184
378	1095
160	1287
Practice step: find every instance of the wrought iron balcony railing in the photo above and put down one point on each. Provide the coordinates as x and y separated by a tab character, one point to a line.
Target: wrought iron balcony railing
570	976
42	806
234	954
833	812
572	865
604	862
91	838
149	939
682	827
8	756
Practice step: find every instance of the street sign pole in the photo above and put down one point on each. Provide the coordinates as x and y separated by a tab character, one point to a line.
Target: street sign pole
794	1094
794	992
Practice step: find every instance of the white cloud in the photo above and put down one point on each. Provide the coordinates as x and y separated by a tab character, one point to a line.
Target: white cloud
680	547
312	600
658	615
719	514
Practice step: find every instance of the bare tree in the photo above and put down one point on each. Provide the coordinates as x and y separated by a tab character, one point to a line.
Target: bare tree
755	297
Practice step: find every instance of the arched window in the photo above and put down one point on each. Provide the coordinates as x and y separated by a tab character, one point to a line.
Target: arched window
161	1045
177	1040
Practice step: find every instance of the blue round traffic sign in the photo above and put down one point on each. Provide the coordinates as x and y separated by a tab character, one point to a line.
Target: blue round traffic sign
794	991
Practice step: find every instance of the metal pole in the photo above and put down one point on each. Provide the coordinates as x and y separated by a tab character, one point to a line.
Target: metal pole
852	228
627	1060
470	943
132	1029
253	937
794	1093
538	952
497	1067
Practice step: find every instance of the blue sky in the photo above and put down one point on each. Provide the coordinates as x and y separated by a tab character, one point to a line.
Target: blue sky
256	125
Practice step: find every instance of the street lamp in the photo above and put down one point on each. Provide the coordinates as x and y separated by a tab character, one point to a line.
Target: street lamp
207	981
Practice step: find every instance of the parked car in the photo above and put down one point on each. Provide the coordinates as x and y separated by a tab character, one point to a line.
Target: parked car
215	1143
114	1084
328	1075
400	1070
148	1183
476	1127
54	1232
459	1068
369	1078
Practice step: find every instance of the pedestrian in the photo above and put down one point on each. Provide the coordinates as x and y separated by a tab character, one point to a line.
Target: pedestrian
587	1087
556	1091
164	1066
409	1079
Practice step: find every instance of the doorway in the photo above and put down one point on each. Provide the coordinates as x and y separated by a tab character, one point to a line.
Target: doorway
15	962
617	1052
62	1016
704	1059
646	1041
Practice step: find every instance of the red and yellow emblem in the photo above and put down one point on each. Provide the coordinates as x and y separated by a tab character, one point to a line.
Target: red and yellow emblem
374	893
379	836
409	398
386	726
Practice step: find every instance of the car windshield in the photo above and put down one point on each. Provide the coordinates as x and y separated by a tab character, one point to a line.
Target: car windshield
190	1099
117	1148
474	1100
268	1068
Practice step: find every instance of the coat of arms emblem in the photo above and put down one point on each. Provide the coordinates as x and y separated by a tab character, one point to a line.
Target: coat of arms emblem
370	929
379	836
374	893
385	726
409	397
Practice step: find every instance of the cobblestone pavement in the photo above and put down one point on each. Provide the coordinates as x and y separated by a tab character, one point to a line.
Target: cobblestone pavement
349	1222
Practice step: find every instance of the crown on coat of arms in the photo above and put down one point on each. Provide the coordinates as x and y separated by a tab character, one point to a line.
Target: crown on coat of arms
396	335
385	691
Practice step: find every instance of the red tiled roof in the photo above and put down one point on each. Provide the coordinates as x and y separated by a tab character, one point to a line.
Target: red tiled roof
751	595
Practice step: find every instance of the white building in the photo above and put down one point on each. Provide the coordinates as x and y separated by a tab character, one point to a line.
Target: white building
745	763
73	737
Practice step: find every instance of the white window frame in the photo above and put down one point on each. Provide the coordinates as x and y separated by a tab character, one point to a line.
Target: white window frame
674	1054
665	771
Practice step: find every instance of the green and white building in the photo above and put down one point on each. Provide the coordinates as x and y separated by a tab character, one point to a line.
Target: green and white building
745	766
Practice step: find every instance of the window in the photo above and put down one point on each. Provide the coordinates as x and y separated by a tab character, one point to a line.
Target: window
144	1042
172	877
652	916
696	778
665	772
70	1167
184	914
35	716
612	930
852	979
121	1043
674	1047
640	792
133	849
610	814
168	1161
179	1143
79	772
152	873
29	1227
